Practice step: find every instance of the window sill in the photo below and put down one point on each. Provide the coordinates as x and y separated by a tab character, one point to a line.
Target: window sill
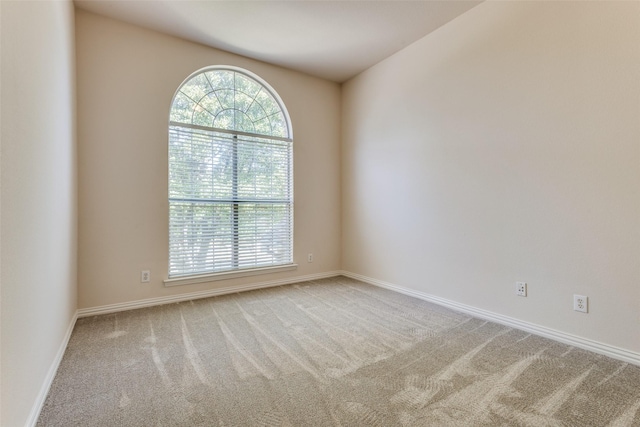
202	278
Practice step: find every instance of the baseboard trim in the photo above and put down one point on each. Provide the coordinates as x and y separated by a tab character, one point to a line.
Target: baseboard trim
566	338
149	302
51	374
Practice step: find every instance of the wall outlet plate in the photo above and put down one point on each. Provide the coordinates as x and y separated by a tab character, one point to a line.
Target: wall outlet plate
581	303
145	276
521	289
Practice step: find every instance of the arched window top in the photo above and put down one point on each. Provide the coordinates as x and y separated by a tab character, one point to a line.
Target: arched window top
230	99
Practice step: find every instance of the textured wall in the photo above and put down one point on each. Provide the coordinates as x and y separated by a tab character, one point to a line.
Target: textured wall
505	146
126	79
38	252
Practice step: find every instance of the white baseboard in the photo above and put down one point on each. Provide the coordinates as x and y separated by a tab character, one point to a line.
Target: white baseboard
585	343
149	302
51	374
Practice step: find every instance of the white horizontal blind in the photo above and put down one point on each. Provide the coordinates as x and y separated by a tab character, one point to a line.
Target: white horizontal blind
230	200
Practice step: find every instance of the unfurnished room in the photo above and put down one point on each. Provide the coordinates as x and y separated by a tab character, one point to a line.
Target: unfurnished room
319	213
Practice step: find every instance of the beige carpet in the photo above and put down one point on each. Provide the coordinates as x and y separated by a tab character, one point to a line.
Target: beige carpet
333	352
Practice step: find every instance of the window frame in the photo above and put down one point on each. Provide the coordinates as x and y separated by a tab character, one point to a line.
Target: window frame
235	270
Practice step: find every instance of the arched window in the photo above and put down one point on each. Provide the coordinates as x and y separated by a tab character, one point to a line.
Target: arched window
230	175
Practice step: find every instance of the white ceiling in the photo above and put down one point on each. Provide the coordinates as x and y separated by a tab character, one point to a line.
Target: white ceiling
334	40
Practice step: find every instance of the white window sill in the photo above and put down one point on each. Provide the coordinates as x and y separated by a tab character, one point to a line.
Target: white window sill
202	278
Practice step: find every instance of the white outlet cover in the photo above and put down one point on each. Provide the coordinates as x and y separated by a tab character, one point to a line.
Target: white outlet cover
521	289
581	303
145	276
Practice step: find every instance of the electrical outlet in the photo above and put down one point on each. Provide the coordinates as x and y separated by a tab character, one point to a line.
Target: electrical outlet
145	276
521	289
581	303
310	258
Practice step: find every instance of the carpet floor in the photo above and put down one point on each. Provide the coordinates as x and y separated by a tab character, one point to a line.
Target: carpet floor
332	352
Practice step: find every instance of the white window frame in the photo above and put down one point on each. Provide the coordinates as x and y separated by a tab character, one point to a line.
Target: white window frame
235	270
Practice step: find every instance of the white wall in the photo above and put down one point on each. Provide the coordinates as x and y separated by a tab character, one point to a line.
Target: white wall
126	79
38	211
505	146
